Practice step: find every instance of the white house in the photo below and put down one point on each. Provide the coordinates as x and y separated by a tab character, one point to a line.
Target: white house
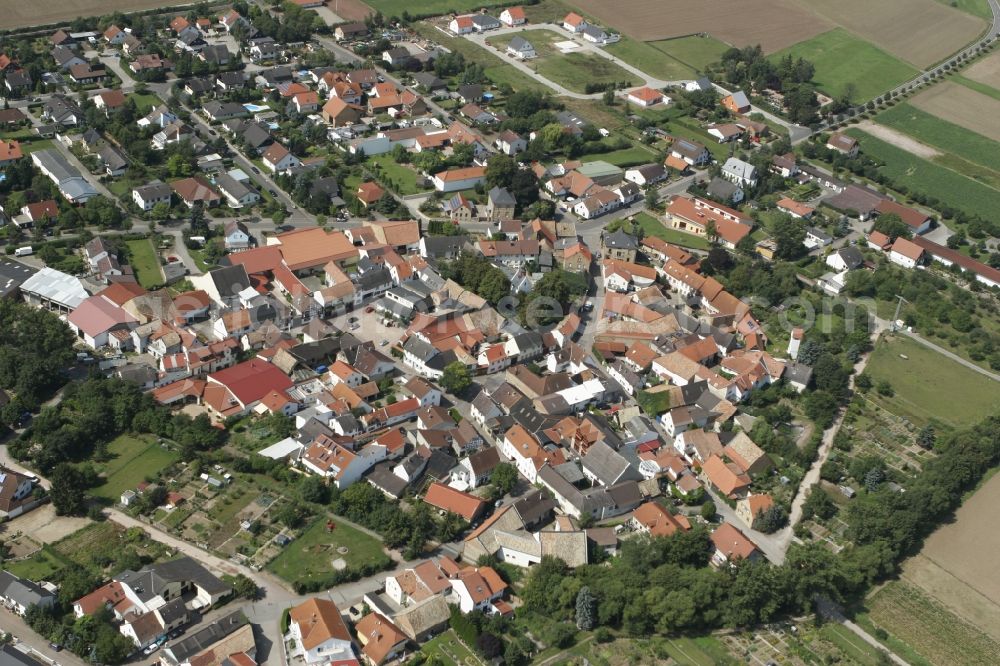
739	172
646	174
513	16
462	25
147	196
523	450
905	253
319	632
845	259
278	159
477	589
453	180
521	48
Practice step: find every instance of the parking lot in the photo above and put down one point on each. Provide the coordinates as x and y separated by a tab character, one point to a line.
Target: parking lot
369	326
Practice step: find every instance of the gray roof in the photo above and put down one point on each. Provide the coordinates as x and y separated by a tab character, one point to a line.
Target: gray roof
501	197
381	477
233	187
417	347
520	44
435	246
721	188
10	656
230	280
23	592
12	275
56	286
149	581
210	635
740	98
608	465
621	240
851	256
154	190
484	20
112	158
739	168
68	178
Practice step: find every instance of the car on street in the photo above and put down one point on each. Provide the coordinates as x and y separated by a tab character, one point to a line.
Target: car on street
255	170
151	649
273	193
369	309
56	646
383	343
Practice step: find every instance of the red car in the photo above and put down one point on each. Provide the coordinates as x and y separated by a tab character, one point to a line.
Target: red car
369	309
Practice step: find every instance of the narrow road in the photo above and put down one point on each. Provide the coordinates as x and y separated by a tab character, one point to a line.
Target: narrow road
480	38
181	251
30	643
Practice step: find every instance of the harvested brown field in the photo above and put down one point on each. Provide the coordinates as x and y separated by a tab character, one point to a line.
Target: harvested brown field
957	564
44	12
775	24
922	32
962	106
350	10
986	70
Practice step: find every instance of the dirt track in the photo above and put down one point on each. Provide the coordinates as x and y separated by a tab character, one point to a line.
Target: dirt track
898	139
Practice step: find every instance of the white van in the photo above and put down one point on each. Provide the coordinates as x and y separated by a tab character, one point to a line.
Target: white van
23	251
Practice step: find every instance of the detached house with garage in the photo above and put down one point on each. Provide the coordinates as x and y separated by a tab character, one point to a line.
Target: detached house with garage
320	633
278	159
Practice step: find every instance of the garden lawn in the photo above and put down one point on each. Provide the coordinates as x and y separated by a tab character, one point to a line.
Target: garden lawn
653	227
398	177
145	102
143	259
694	51
949	187
133	459
312	554
625	157
575	70
448	650
40	565
929	386
847	63
650	59
941	134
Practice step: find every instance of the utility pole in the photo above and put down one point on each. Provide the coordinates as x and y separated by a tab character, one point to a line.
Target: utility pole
895	317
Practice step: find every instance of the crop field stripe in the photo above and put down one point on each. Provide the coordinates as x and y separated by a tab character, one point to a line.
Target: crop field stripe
940	133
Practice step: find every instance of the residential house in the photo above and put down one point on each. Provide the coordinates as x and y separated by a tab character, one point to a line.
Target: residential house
320	633
737	102
842	143
147	196
740	172
513	16
278	159
905	253
645	97
520	48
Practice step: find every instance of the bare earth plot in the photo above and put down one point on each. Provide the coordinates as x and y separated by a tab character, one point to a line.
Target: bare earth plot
774	25
962	106
899	140
24	14
957	564
986	70
922	32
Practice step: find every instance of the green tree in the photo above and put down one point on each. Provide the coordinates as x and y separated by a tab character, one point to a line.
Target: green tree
927	437
245	588
68	488
586	607
312	489
504	477
892	226
456	377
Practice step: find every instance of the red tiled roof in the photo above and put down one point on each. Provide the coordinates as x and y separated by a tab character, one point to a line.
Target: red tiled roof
252	380
448	499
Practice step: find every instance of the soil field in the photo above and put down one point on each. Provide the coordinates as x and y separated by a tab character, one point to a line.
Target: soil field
775	25
954	564
921	32
25	14
350	10
963	107
986	71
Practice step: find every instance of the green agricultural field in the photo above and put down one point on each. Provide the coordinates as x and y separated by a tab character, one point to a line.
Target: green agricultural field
981	88
653	227
313	553
845	63
625	157
980	8
919	175
144	260
694	51
132	460
941	134
650	59
955	395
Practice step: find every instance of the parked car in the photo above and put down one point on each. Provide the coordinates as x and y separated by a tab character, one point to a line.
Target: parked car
56	647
